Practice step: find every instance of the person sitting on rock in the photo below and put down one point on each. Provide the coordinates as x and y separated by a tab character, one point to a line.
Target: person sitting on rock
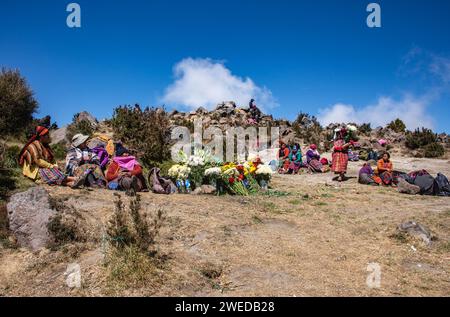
295	159
385	169
313	159
37	160
283	158
254	111
125	172
84	164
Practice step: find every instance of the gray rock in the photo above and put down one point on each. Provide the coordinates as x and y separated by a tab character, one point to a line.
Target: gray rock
416	230
202	110
86	116
406	188
208	189
29	214
59	135
204	190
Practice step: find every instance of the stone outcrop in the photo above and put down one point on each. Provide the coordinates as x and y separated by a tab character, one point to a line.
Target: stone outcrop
29	214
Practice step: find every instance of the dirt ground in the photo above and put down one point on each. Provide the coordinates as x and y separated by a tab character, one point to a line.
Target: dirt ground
312	237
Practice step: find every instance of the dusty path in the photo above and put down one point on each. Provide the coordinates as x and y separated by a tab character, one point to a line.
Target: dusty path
316	241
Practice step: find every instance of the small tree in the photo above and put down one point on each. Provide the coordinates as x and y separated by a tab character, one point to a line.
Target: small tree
17	103
365	128
397	126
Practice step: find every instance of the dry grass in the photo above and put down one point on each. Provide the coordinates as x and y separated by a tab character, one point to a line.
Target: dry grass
307	237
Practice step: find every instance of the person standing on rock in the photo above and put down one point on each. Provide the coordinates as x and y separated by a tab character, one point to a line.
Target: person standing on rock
340	154
37	160
84	164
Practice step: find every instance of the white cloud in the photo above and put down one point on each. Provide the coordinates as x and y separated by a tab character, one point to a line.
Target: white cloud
413	111
204	82
440	67
432	70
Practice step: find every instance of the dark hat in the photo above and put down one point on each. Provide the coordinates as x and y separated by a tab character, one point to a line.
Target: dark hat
121	150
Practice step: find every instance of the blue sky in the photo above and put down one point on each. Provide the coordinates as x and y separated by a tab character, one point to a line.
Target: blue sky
317	56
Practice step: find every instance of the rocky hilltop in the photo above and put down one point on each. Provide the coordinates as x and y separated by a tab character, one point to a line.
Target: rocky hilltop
304	130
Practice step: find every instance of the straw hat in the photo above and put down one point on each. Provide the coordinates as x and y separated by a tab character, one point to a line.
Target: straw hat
79	139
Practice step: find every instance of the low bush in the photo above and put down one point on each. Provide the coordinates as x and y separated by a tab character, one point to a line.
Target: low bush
420	138
129	226
10	157
433	150
3	222
130	259
147	131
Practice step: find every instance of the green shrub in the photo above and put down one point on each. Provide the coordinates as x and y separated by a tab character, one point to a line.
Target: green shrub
165	166
3	221
181	122
17	103
147	131
433	150
397	126
59	151
308	128
420	138
130	227
10	157
365	128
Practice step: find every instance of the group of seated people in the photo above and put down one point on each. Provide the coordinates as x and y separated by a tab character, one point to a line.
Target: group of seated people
382	175
291	159
84	167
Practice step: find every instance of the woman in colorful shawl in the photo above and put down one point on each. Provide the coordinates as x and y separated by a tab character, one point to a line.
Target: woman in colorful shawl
37	161
84	164
313	159
385	169
367	176
340	155
283	158
295	159
125	173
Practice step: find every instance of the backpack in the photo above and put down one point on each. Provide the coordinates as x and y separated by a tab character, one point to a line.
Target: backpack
160	185
441	185
372	156
426	184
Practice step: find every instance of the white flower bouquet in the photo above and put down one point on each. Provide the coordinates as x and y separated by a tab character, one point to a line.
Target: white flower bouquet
179	172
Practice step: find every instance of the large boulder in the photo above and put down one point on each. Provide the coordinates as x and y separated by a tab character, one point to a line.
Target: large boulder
59	136
86	116
406	188
29	214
